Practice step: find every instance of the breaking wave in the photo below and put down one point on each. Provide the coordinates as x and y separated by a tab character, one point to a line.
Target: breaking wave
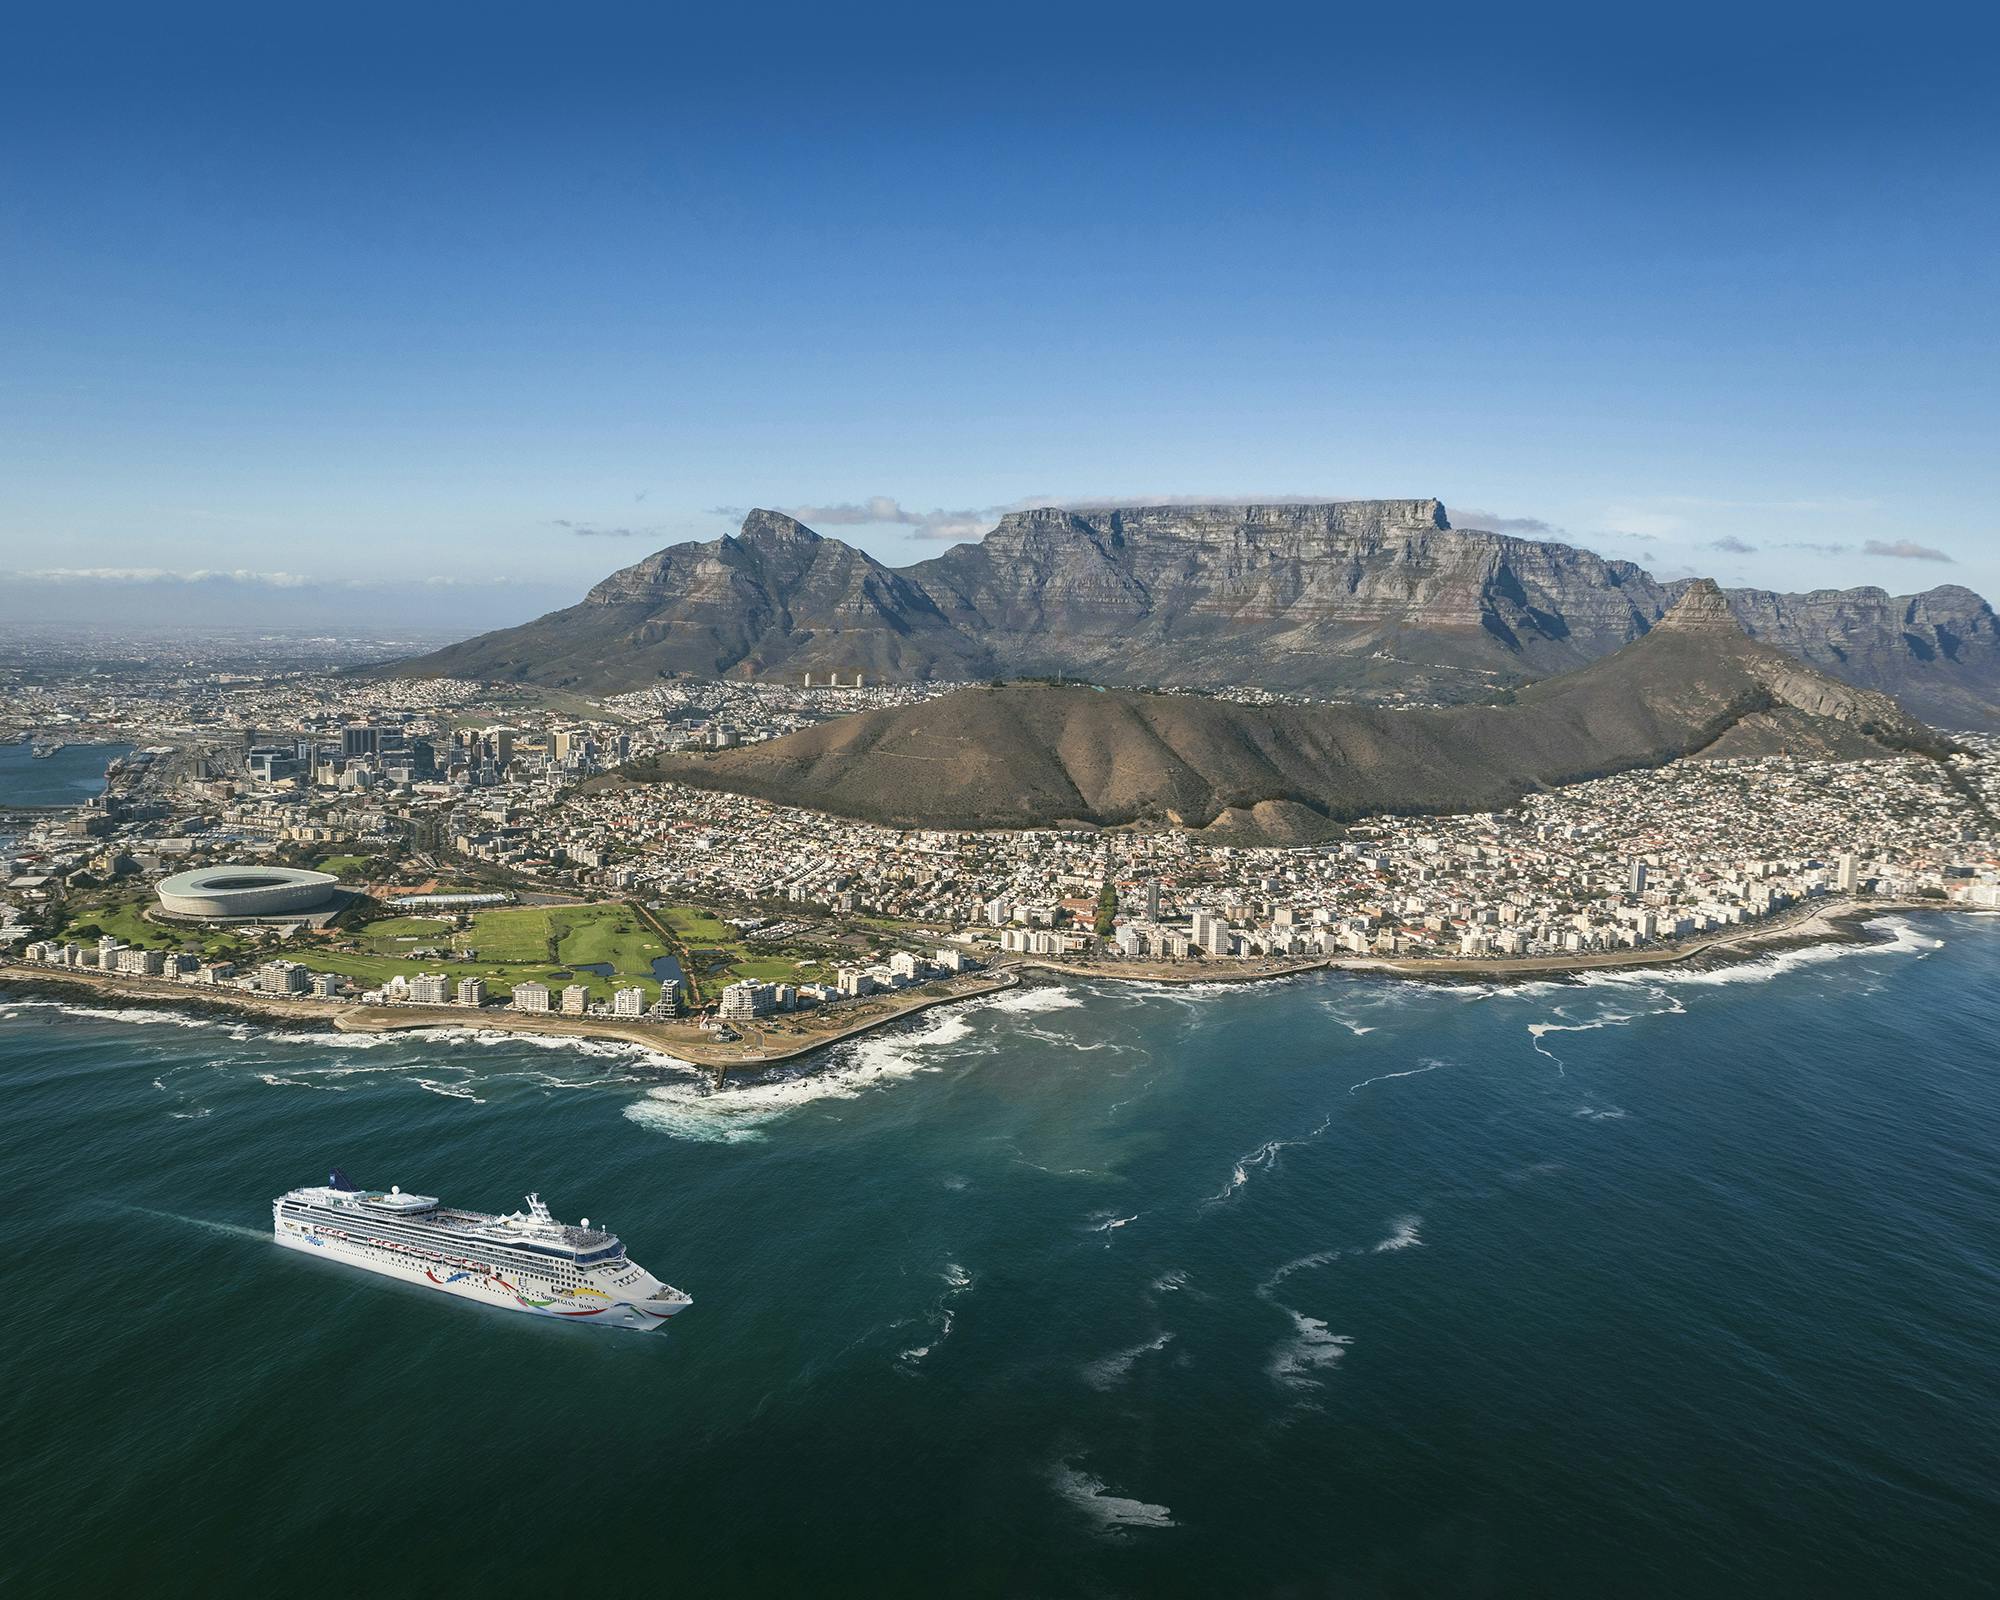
1264	1157
1384	1077
1107	1372
941	1314
1112	1513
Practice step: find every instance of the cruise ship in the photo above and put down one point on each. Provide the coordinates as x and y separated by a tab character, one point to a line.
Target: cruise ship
524	1261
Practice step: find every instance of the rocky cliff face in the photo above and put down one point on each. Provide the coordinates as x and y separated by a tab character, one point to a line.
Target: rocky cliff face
1371	598
1302	595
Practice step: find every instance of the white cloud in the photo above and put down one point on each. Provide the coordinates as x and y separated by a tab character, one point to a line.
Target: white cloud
243	577
240	575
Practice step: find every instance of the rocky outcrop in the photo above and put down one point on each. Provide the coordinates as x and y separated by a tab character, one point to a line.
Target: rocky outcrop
1373	599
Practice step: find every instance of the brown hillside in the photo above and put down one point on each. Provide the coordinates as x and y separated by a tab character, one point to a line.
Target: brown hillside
1032	755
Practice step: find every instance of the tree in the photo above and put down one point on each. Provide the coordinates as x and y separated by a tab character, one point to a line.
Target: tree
1107	910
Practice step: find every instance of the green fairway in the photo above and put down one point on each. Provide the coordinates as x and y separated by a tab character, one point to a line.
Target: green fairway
510	945
717	954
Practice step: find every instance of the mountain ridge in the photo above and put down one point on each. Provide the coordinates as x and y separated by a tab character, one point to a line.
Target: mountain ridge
1030	755
1367	599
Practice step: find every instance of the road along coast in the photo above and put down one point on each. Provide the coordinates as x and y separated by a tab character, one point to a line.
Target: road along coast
769	1041
763	1042
1830	920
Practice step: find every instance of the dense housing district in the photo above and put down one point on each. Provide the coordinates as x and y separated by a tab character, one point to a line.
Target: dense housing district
481	854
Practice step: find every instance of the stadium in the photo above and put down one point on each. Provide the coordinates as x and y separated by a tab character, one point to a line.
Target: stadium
228	892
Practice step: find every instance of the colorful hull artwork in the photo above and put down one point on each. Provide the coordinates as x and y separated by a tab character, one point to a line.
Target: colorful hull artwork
413	1239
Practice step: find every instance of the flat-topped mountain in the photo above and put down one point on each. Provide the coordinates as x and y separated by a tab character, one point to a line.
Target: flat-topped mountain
1024	755
1368	598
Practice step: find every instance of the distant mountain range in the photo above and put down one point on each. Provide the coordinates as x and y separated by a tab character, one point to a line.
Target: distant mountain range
1028	754
1369	599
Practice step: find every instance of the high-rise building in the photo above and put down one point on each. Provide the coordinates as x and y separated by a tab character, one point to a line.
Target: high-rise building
472	991
430	989
360	739
1848	867
283	977
531	996
628	1002
1152	899
574	998
748	999
1635	876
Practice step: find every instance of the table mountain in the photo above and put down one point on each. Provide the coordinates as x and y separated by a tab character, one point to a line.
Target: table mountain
1373	599
1027	754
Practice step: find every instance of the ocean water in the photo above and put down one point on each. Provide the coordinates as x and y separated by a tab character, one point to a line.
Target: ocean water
73	774
1654	1284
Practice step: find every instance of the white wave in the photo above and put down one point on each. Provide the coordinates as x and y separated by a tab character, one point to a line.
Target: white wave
1311	1349
695	1109
177	1019
1403	1234
1171	1282
1904	939
186	1116
453	1091
1318	1258
1112	1513
941	1315
1265	1156
1028	1001
1067	1042
1384	1077
1591	1114
330	1039
1105	1221
1107	1372
502	1039
954	1181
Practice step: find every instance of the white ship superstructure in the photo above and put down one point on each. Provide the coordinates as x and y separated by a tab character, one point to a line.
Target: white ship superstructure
525	1261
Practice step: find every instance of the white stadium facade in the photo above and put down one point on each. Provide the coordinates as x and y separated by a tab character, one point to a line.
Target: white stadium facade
216	893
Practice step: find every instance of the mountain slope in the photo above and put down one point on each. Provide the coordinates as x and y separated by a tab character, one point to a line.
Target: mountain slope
1034	755
1375	599
775	597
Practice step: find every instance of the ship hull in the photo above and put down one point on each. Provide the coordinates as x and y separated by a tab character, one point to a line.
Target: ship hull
482	1285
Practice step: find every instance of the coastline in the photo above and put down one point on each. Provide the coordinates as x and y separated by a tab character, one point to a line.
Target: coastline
1825	921
761	1045
771	1042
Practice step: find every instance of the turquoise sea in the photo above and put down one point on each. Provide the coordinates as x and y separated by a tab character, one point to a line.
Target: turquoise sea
1656	1284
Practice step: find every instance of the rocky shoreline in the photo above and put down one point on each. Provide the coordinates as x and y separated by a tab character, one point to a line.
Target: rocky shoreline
1840	921
759	1046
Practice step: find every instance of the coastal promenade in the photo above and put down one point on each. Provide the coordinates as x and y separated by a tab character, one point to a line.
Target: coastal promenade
769	1041
764	1042
1831	919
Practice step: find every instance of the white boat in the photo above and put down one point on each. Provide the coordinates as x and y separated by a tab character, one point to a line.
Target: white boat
524	1261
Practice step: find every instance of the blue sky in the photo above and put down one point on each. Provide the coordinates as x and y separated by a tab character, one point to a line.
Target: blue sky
442	316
